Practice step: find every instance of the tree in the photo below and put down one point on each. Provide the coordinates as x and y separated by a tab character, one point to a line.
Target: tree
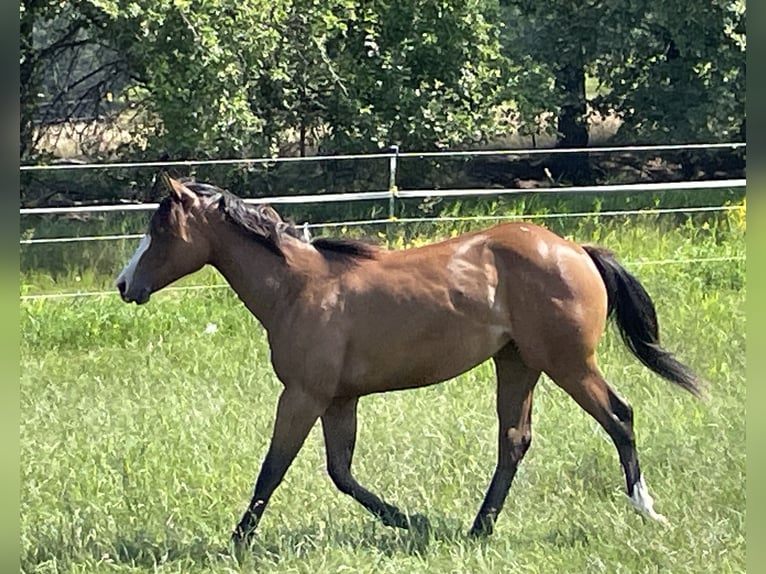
561	37
222	78
225	77
679	74
420	74
671	71
195	64
65	73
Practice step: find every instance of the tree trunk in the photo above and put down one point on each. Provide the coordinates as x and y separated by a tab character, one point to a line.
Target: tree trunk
27	82
572	125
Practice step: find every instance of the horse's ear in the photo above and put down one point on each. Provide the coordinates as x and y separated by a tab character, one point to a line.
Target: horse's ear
177	190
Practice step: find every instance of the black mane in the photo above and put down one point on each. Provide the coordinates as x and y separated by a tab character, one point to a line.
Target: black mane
263	223
353	248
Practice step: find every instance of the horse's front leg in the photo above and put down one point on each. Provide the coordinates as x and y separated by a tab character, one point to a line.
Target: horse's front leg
297	412
339	426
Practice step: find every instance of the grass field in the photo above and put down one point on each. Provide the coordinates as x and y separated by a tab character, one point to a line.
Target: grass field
143	429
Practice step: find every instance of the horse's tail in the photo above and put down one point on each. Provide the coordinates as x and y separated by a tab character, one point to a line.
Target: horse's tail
637	320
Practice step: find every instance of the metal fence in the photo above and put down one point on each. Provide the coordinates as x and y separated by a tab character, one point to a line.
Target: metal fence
394	193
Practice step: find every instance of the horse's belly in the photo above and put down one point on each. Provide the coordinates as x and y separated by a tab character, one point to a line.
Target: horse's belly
420	362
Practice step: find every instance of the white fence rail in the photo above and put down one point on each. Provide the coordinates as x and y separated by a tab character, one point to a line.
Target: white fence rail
410	220
393	151
411	193
392	194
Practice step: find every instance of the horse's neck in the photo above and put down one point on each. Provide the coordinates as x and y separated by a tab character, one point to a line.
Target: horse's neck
262	280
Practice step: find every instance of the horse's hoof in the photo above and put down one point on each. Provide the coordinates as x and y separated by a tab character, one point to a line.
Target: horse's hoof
419	523
240	538
481	529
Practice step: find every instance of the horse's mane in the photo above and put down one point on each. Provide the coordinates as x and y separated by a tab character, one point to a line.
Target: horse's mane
263	223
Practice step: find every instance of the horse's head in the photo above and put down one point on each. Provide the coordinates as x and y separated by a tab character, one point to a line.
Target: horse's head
172	247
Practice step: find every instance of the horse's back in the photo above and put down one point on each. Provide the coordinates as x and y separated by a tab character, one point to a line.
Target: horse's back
466	297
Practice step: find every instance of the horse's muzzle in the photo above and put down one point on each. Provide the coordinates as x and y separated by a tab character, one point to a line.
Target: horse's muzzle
139	298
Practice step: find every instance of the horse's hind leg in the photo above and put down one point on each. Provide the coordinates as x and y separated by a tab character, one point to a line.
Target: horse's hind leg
589	388
515	384
339	427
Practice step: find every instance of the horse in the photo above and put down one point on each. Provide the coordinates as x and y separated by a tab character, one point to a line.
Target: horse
345	319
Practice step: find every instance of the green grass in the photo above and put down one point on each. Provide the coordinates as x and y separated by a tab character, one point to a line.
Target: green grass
142	434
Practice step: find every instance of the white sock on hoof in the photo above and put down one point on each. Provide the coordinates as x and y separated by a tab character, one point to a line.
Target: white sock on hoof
643	501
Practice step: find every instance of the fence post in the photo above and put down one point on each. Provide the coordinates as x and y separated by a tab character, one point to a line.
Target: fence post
393	189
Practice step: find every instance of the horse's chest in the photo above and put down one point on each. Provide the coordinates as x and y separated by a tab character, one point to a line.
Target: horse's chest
310	356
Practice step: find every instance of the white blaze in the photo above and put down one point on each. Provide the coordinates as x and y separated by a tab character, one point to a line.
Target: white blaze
130	267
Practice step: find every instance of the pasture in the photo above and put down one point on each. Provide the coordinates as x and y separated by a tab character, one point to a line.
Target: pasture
143	429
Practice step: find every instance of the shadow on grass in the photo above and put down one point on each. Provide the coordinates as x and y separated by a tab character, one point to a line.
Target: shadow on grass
150	549
270	547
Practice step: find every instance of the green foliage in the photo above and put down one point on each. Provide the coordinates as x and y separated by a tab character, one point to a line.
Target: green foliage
425	74
679	73
226	78
672	71
234	78
196	62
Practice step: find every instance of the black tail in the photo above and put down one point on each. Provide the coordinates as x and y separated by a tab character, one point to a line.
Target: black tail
637	320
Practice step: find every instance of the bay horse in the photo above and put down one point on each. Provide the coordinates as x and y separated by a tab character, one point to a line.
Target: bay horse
346	319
